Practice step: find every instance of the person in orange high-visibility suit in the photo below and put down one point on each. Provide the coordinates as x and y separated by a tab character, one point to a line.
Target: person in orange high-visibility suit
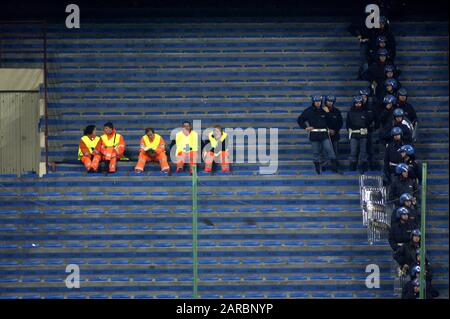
187	147
89	149
152	148
112	146
216	150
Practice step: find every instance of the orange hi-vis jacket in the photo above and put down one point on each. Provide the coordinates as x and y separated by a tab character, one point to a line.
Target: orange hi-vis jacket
114	140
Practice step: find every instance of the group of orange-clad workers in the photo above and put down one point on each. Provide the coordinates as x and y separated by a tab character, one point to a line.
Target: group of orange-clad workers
110	148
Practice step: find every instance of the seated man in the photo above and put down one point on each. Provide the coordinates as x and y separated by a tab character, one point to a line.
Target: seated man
89	149
112	146
187	147
152	148
403	183
216	150
400	231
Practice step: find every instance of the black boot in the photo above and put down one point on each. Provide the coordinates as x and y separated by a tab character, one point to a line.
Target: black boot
317	166
353	166
334	166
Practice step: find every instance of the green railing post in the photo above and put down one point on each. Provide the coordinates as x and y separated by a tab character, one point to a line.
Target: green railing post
423	208
194	232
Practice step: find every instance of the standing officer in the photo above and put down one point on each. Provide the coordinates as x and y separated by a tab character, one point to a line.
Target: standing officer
358	123
370	107
336	123
316	120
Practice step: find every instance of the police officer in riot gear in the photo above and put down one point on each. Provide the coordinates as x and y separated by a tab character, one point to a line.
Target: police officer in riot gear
403	183
392	156
400	231
335	124
404	124
370	107
316	120
408	109
407	154
386	117
358	123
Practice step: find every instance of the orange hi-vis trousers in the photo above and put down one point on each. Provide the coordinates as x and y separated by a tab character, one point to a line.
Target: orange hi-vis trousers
91	161
221	158
183	157
159	157
110	155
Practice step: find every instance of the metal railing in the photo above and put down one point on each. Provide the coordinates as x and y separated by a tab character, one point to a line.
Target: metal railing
43	51
423	207
374	208
194	233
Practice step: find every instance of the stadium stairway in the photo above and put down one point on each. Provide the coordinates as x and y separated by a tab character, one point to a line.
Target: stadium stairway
292	234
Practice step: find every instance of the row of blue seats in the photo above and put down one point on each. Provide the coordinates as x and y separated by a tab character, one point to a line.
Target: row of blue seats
424	103
406	45
272	225
202	88
420	58
78	245
362	251
439	153
201	227
94	223
318	64
88	273
220	280
319	255
147	43
222	77
163	202
227	210
131	95
283	290
154	171
170	182
213	235
343	192
178	193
